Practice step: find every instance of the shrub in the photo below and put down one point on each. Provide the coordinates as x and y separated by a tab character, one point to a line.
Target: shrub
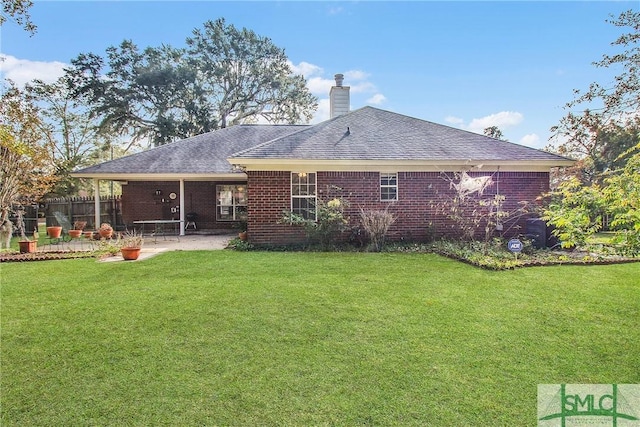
376	224
330	221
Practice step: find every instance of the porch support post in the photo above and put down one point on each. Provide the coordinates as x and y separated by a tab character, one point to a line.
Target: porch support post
182	223
96	202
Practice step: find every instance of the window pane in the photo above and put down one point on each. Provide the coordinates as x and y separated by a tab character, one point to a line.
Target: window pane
306	209
224	213
388	193
388	179
241	213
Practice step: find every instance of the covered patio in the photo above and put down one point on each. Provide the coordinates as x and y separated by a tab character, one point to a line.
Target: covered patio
188	184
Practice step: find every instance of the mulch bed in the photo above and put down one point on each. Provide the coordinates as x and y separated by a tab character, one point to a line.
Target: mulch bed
45	256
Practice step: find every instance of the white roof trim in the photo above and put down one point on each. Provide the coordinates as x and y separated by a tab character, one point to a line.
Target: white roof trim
239	176
303	165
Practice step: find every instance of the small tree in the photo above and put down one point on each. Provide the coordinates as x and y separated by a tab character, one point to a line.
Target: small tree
473	214
575	212
621	196
26	165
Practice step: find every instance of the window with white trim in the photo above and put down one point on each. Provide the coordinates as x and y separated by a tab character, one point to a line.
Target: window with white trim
232	202
303	194
388	186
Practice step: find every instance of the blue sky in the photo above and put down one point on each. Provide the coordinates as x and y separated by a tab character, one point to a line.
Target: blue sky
471	65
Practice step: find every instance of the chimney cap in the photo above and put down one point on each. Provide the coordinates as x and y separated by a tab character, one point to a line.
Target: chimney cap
339	79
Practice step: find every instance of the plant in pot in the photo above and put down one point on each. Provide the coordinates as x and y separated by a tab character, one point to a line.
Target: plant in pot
242	230
105	230
77	229
131	245
54	231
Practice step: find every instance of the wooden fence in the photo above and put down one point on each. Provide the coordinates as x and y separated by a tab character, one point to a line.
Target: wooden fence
83	209
30	218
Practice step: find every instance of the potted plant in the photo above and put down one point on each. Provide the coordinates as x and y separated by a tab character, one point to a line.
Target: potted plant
26	245
54	231
131	245
105	230
77	229
242	233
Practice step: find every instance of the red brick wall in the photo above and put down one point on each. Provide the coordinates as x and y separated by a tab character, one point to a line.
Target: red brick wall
418	192
140	202
269	195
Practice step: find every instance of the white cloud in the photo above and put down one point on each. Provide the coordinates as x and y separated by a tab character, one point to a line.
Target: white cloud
502	120
320	86
376	99
21	71
530	140
306	69
355	75
456	121
362	87
323	112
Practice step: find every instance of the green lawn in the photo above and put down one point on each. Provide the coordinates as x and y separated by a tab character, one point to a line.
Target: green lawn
259	338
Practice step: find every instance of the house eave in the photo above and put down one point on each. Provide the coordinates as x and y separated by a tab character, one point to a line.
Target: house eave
112	176
374	165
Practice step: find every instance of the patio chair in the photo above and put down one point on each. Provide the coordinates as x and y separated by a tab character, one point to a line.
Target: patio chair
63	222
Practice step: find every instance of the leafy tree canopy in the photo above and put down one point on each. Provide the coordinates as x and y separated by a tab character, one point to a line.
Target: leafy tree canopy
494	132
608	122
18	11
27	171
223	77
68	128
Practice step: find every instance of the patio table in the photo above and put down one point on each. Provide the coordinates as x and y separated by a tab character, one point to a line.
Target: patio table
160	227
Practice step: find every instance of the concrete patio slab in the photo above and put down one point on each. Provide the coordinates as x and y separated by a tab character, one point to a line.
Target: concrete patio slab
196	242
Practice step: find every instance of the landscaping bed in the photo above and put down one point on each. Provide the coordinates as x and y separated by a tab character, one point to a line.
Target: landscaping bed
504	260
492	256
45	255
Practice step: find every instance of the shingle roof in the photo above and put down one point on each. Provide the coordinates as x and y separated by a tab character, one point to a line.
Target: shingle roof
364	134
201	154
373	134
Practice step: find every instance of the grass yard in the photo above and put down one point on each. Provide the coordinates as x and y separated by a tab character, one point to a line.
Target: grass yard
260	338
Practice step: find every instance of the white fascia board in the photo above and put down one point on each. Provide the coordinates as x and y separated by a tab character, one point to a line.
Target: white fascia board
239	176
301	165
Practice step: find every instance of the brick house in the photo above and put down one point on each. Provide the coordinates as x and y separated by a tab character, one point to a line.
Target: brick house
370	157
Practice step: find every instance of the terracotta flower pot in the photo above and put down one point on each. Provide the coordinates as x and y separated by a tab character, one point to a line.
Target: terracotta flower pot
27	246
130	254
75	233
242	235
54	232
88	234
106	233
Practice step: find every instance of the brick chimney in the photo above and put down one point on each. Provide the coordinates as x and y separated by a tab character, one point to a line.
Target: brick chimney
339	97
